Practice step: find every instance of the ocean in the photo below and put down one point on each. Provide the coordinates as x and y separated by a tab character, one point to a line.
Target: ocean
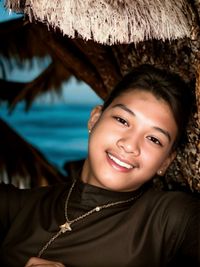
58	130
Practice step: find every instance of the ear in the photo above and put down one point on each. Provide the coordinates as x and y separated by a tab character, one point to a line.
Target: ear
94	116
163	168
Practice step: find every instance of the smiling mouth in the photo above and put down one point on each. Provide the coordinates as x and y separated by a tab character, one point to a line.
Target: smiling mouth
120	163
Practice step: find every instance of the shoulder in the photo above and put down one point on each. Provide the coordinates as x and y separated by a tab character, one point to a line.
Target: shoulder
174	207
172	215
174	200
17	204
10	192
178	198
13	198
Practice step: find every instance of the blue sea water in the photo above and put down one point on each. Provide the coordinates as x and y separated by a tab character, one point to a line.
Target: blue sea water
58	130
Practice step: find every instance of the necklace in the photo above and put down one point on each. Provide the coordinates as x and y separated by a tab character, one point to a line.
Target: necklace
67	225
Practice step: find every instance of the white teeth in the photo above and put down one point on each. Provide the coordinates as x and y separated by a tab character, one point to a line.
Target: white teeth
121	163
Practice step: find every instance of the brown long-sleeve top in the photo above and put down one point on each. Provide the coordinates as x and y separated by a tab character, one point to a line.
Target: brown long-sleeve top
156	229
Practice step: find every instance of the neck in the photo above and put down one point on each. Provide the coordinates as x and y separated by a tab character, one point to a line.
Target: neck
85	172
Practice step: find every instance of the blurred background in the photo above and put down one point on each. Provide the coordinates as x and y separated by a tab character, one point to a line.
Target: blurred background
54	124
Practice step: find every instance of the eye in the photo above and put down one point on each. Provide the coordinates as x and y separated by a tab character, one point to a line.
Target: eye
154	140
121	121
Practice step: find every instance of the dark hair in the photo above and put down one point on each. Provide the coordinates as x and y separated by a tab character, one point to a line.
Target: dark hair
162	84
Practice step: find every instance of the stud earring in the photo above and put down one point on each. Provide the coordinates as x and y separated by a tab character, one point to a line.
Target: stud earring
89	131
160	172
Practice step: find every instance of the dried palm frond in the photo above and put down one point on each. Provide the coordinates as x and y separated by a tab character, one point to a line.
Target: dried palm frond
20	42
112	21
15	92
84	60
21	163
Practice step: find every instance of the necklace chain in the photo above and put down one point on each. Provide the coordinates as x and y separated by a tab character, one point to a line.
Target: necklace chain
67	225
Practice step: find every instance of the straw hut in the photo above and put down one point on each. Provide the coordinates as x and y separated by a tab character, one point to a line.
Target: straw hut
98	42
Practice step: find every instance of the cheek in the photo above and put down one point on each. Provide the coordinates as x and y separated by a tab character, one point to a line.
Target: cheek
153	157
96	140
103	133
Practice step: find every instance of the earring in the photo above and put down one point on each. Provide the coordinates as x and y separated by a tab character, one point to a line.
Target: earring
160	172
89	131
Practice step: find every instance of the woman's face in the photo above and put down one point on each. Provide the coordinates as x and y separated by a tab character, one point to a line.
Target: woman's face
129	142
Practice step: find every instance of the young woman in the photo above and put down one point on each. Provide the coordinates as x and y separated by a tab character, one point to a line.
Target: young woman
111	215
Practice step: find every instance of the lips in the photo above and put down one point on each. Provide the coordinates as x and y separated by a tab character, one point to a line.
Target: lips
120	163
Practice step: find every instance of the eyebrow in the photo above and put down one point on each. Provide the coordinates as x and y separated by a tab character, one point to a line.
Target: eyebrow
166	133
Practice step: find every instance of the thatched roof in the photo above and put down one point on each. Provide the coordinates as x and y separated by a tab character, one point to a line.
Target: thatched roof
112	22
102	65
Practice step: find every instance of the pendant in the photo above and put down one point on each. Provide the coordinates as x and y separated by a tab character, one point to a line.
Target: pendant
65	227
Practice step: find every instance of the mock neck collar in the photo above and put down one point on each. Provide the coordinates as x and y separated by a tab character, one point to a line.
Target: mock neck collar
92	196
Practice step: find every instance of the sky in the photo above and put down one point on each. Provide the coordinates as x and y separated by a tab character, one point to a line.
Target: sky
70	90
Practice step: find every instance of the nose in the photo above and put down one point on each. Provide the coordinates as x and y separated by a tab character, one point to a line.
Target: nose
130	144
